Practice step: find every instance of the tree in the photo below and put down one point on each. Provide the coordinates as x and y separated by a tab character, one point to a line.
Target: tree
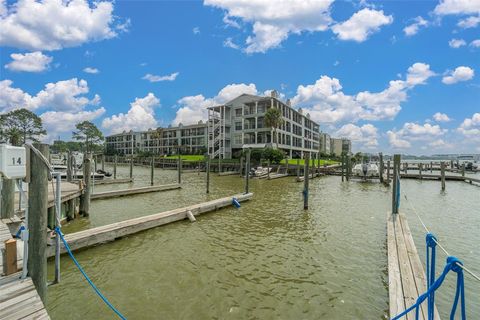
89	134
21	125
273	119
274	155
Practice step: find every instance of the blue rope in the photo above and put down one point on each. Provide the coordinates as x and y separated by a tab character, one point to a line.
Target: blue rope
452	265
69	251
19	232
431	258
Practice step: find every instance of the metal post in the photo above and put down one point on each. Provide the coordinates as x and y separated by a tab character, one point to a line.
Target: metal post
37	222
306	175
247	171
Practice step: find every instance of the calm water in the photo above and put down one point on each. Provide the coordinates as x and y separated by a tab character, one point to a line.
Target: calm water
269	259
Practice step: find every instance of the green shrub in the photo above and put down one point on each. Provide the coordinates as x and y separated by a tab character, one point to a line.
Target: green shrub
274	155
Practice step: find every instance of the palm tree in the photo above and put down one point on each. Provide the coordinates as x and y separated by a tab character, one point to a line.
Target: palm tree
273	119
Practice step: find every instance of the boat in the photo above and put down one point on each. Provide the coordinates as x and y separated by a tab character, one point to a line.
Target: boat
365	170
260	172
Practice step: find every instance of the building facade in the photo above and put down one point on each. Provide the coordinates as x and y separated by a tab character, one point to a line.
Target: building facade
340	146
189	139
325	143
240	124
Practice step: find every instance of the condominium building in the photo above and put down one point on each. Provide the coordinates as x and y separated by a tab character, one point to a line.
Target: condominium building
188	139
340	146
325	143
240	123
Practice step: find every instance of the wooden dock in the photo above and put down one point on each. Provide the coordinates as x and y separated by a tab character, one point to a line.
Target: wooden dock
111	232
406	275
112	181
18	297
134	191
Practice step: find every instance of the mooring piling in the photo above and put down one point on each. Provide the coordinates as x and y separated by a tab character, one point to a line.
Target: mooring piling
7	208
380	156
298	168
306	174
207	169
247	171
343	167
115	160
69	167
463	169
241	166
85	197
152	170
103	162
396	184
131	166
179	169
388	170
37	221
442	175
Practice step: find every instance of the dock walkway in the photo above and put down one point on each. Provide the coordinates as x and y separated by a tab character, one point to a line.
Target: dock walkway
18	297
406	276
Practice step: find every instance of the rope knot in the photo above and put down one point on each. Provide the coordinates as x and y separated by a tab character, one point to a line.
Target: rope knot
431	240
455	264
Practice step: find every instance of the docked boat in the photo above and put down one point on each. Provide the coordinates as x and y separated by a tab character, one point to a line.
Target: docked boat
366	170
261	172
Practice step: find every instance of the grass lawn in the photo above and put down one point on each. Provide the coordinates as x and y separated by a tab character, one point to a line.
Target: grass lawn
290	161
190	157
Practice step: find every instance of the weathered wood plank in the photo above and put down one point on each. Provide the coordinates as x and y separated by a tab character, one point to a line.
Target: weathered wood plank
395	290
117	230
134	191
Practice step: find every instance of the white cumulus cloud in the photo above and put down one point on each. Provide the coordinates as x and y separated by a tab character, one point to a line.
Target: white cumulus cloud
194	108
141	116
366	135
457	7
397	142
91	70
470	22
361	25
471	126
29	62
412	29
475	43
56	24
461	73
327	103
274	21
155	78
457	43
441	117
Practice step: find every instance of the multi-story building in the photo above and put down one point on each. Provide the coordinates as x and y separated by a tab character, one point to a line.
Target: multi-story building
325	143
340	146
240	123
189	139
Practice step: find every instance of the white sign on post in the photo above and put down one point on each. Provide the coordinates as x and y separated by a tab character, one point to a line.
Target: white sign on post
13	162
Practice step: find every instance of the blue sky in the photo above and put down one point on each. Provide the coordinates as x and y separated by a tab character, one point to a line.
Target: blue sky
393	76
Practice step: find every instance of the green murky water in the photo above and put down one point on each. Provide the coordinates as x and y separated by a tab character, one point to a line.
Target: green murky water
269	259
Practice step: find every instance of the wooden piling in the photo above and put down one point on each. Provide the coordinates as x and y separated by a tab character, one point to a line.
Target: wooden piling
396	173
442	175
219	163
268	169
37	221
70	209
241	166
298	168
115	160
85	197
286	170
7	208
420	168
451	164
380	156
431	166
95	158
69	167
306	175
152	170
348	166
131	167
207	169
179	170
463	169
343	167
388	170
103	162
247	171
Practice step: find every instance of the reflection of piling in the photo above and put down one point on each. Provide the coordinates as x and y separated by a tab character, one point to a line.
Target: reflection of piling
247	171
306	174
37	221
442	174
396	184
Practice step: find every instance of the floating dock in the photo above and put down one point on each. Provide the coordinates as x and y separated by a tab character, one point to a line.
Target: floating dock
406	276
91	237
134	191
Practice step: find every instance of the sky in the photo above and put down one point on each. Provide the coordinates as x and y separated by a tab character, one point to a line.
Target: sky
393	76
